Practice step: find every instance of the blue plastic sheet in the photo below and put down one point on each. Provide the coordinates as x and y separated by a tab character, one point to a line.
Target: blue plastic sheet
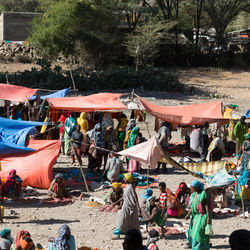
13	135
248	114
59	94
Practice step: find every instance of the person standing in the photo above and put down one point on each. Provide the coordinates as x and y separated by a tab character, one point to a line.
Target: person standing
69	127
240	130
128	218
201	217
77	138
204	141
164	136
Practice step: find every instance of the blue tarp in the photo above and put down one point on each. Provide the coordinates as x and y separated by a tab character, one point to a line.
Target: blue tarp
59	94
248	114
13	134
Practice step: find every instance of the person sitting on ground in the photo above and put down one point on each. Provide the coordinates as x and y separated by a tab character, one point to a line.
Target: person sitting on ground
146	194
216	149
24	241
116	196
57	187
153	237
133	240
64	241
239	240
183	194
13	185
164	136
6	240
114	167
77	138
152	214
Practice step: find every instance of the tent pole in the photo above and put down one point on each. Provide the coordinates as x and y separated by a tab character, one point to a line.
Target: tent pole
148	176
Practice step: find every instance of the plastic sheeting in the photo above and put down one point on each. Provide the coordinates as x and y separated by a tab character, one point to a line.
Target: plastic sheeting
36	168
13	135
15	93
149	152
186	114
59	94
90	103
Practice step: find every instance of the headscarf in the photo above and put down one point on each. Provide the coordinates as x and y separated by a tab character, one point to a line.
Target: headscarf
61	242
132	138
107	121
98	136
131	125
247	136
148	203
182	186
9	182
83	122
5	233
129	177
116	185
197	184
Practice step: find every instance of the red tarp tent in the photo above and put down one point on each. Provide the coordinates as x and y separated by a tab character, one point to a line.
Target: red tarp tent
186	114
15	93
90	103
36	168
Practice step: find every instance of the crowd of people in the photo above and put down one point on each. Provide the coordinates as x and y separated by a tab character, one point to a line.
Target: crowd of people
94	135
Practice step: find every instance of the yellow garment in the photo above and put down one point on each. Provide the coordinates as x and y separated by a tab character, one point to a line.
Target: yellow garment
129	177
43	129
126	139
83	122
122	124
116	184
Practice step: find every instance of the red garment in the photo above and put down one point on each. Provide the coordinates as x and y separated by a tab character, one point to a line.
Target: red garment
62	119
20	234
182	187
163	197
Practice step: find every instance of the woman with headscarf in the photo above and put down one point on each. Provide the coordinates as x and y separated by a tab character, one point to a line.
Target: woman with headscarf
82	121
107	121
24	241
128	217
13	184
182	193
65	241
97	140
134	139
62	120
130	126
6	240
121	130
216	149
201	216
245	164
57	187
69	127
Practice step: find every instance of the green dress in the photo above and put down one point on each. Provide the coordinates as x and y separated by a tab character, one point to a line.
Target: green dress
199	222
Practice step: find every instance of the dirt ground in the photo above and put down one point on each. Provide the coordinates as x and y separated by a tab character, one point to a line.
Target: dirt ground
94	229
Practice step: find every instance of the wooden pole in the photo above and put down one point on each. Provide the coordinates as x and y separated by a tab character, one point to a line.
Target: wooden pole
148	176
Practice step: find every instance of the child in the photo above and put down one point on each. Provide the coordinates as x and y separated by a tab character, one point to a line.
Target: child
153	237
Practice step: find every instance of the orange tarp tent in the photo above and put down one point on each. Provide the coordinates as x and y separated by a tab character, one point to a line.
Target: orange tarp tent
186	114
90	103
36	168
15	93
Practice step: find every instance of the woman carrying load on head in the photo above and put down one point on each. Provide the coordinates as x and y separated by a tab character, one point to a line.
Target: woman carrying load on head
201	216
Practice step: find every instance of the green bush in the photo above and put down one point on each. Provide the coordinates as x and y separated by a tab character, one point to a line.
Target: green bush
119	78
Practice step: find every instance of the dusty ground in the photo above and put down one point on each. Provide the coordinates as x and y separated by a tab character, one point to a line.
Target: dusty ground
95	229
